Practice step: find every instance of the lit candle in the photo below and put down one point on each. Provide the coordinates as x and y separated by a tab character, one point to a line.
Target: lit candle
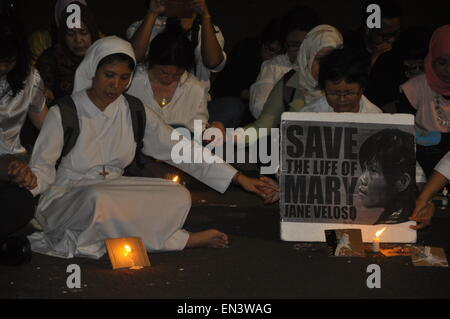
175	179
376	241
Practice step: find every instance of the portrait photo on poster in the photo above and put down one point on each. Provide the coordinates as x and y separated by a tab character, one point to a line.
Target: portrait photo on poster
347	173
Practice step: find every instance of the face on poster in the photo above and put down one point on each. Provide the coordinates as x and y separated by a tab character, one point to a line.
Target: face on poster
347	173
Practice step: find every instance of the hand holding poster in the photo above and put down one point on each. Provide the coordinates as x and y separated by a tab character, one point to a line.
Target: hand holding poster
346	170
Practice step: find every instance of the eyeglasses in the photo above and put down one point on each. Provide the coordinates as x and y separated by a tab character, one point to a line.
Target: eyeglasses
347	95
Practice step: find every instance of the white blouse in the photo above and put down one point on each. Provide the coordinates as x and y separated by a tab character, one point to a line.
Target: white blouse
188	103
106	143
271	72
202	72
13	110
444	166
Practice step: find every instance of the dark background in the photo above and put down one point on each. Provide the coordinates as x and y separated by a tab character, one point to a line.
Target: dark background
239	18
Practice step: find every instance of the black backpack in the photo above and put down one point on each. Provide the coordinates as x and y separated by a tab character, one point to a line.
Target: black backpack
71	128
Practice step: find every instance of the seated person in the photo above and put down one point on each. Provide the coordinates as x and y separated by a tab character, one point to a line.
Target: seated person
301	86
86	199
41	40
296	24
375	42
427	96
403	62
20	95
207	38
425	208
343	76
57	65
165	84
233	83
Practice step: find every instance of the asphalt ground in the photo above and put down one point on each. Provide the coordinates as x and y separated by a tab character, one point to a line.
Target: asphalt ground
257	265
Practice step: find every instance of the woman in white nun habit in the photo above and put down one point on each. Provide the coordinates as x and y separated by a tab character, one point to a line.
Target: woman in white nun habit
87	200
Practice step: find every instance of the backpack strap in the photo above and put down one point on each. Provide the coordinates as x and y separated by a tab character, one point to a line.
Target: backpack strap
70	124
138	121
288	92
138	118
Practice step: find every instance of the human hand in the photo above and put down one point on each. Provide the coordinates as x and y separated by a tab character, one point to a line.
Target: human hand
49	95
261	188
379	49
422	214
156	6
275	194
200	7
22	175
221	127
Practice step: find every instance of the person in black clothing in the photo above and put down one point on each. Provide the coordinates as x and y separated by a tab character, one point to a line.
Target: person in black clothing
233	83
375	44
397	66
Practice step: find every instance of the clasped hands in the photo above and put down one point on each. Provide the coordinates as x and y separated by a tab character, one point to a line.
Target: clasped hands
22	175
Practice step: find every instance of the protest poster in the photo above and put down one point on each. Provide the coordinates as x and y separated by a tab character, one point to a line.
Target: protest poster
344	171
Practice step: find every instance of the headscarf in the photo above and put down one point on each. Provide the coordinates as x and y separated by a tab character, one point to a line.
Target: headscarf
439	46
322	36
87	18
61	5
96	52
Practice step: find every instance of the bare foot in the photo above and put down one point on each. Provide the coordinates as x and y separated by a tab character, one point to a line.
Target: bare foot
209	238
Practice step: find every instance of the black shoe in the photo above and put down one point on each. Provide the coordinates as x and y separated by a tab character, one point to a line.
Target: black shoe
15	251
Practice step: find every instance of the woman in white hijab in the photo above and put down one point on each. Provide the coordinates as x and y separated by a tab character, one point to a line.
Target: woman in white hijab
301	86
87	200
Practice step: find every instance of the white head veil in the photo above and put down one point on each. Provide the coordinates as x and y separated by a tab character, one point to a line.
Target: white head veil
61	5
322	36
96	52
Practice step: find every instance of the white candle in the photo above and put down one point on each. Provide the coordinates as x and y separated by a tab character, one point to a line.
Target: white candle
376	245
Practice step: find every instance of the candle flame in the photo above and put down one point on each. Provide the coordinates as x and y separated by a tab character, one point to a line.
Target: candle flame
175	179
378	233
127	249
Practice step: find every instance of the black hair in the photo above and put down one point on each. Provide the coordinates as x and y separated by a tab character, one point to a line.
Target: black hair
14	45
390	9
87	17
171	47
394	151
299	18
344	64
272	32
117	57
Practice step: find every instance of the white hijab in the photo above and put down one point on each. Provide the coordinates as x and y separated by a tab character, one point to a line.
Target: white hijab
61	5
96	52
322	36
